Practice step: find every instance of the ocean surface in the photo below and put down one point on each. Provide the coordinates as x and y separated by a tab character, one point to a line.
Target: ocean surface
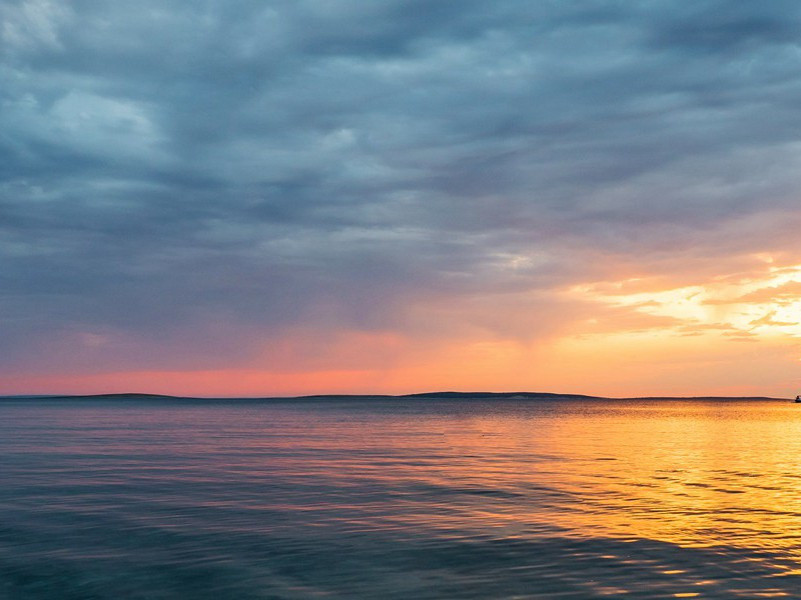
399	499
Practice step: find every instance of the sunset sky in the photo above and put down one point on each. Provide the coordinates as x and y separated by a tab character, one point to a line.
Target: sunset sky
283	197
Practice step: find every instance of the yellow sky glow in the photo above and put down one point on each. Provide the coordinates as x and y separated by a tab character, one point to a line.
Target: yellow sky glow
767	306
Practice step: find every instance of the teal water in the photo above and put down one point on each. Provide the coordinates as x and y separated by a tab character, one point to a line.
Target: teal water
168	499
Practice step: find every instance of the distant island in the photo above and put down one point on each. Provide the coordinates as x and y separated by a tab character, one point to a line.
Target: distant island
443	395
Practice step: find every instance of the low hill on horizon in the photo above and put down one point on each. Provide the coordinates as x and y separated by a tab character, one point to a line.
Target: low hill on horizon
509	395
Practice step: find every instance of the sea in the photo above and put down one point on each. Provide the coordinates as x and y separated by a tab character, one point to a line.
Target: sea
404	498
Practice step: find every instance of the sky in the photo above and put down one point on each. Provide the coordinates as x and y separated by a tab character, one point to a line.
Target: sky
282	197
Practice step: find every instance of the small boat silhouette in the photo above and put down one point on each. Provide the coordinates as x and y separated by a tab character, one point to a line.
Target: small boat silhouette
798	398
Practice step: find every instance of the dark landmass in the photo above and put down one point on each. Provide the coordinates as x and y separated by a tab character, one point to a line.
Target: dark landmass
125	396
447	395
506	395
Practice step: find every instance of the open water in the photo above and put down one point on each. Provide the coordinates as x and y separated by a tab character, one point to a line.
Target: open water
399	499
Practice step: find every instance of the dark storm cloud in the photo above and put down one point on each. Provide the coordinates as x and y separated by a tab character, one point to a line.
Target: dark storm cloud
169	166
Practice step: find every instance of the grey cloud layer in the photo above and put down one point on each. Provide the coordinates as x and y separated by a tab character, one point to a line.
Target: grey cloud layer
169	166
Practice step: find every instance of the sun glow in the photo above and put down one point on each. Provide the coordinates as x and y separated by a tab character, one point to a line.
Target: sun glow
738	307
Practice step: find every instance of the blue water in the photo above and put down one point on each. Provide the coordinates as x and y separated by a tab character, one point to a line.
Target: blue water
103	499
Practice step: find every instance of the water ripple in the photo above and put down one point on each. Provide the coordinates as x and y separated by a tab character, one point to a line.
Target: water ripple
399	500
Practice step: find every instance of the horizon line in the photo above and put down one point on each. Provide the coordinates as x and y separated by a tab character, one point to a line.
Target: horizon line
443	394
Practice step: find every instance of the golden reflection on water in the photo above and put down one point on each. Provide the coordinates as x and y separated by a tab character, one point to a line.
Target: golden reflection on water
696	474
691	474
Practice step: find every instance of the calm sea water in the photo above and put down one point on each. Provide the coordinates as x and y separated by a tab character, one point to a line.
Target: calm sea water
408	499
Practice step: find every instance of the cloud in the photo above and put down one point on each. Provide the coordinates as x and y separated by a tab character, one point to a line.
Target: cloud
777	294
183	183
